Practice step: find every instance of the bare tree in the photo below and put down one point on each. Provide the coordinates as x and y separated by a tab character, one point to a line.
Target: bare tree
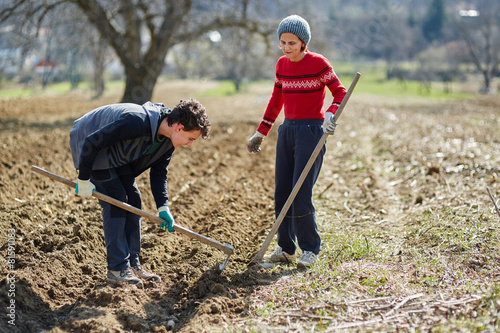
141	32
239	57
98	48
77	42
480	29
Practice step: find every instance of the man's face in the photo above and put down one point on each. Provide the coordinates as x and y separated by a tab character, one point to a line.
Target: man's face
183	138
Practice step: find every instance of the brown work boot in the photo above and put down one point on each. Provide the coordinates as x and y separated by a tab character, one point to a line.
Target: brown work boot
142	273
124	276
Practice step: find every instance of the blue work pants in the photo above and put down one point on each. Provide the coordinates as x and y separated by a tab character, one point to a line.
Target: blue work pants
297	139
122	229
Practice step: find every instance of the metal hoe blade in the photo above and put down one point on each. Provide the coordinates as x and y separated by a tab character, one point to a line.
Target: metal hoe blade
224	263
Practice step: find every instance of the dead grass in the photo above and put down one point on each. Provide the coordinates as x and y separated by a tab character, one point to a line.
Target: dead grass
410	235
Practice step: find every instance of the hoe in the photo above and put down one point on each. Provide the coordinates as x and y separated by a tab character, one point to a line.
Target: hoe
226	248
303	175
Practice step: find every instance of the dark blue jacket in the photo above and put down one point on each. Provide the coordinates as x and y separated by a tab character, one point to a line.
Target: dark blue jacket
123	134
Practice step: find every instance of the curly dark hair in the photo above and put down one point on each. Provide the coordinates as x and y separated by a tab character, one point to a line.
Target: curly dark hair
192	115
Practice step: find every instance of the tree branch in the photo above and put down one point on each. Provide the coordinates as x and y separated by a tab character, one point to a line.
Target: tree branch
97	15
224	23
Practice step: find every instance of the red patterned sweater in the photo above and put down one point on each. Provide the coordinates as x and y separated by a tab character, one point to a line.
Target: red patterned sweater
301	87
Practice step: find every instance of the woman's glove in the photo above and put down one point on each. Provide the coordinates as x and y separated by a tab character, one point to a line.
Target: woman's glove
84	188
329	124
165	214
255	142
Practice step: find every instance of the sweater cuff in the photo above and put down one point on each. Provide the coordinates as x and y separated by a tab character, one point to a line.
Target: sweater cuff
333	108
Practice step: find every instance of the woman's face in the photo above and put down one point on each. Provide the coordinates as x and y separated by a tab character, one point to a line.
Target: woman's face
291	45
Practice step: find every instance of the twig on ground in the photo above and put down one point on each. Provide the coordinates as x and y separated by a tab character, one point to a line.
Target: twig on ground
338	253
304	315
369	300
347	208
460	301
400	304
494	202
361	323
382	307
404	179
326	189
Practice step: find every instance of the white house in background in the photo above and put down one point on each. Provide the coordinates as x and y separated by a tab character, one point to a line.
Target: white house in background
45	66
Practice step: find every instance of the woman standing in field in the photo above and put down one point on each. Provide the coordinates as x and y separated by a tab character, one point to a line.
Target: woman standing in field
300	86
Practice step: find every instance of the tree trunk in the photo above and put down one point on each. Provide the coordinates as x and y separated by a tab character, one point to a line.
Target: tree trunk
486	89
98	77
73	70
139	85
98	49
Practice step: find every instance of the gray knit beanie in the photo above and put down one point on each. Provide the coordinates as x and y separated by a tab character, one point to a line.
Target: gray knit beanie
297	26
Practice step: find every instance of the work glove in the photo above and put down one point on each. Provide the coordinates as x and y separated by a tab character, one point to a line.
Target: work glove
255	142
329	123
84	188
167	216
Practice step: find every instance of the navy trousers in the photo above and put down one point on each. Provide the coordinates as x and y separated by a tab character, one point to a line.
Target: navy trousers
122	229
297	139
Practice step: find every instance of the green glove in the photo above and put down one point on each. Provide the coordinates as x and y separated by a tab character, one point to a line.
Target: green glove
167	216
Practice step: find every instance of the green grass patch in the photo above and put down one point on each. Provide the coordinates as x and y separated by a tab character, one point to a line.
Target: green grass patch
349	247
225	88
373	84
56	88
448	231
16	91
117	84
373	81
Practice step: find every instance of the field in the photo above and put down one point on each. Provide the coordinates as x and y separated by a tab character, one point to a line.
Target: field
410	234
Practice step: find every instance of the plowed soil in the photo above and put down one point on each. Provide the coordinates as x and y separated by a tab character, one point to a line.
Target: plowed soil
218	190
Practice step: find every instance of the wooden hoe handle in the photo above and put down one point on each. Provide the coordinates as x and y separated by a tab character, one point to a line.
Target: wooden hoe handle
226	248
303	175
